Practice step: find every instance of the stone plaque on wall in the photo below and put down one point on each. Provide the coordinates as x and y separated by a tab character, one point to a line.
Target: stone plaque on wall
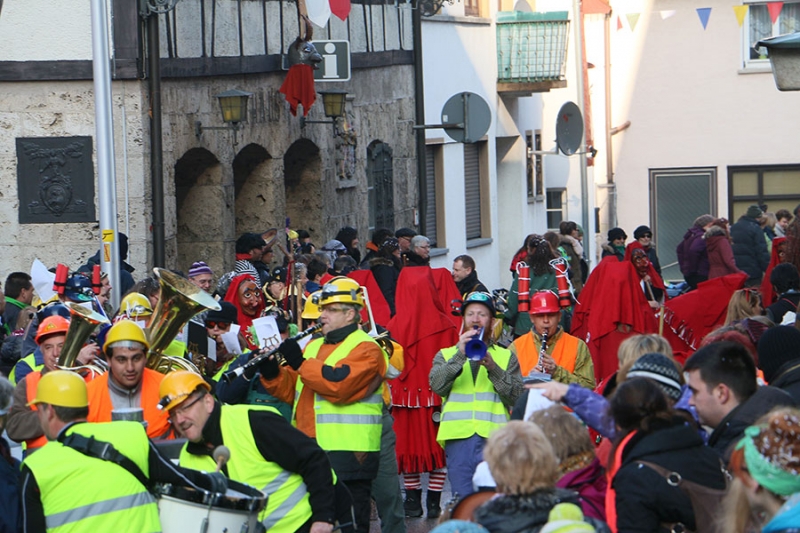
55	180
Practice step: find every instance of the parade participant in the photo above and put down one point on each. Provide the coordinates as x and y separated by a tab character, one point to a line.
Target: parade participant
335	390
217	323
94	477
651	283
477	394
18	294
35	360
567	358
136	307
692	253
23	424
466	277
243	293
249	253
542	278
722	379
128	383
9	467
644	236
422	326
571	249
744	303
125	269
201	275
785	280
749	245
265	452
385	266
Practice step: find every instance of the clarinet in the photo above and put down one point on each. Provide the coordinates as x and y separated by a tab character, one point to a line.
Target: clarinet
236	372
542	351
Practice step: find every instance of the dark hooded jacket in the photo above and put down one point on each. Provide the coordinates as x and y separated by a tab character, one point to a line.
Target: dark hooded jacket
692	253
527	513
386	273
470	284
787	378
644	499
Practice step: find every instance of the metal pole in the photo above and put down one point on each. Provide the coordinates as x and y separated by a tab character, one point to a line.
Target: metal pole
419	115
587	223
104	133
156	152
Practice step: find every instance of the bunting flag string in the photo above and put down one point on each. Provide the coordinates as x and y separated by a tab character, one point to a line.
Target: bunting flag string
633	18
667	13
619	23
704	13
319	12
340	8
774	10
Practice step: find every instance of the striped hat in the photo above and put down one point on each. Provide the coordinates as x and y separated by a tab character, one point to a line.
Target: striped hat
199	267
660	369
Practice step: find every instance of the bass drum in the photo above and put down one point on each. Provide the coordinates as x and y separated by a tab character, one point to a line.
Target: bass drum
186	510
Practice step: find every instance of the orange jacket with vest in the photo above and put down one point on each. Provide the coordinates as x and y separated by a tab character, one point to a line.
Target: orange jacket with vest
31	384
100	405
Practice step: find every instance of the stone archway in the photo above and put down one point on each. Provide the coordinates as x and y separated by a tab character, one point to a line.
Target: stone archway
202	210
256	183
302	171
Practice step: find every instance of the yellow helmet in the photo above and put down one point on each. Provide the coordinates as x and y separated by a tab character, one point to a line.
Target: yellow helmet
341	290
135	305
177	386
311	308
61	388
125	330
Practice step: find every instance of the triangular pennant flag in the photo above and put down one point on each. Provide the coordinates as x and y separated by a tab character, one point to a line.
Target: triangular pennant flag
340	8
704	13
633	18
319	12
740	11
774	10
619	23
667	13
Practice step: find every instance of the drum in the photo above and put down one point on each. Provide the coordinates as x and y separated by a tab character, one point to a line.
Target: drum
183	509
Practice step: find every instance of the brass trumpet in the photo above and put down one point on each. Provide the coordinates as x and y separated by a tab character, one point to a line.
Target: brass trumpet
82	323
180	300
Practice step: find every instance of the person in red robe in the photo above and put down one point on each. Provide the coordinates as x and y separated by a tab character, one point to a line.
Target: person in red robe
422	326
244	294
616	291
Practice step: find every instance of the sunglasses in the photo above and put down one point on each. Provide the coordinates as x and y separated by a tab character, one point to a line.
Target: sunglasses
211	324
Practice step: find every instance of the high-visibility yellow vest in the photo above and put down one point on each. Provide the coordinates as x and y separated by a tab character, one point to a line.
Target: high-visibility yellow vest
80	493
288	507
355	426
473	406
30	360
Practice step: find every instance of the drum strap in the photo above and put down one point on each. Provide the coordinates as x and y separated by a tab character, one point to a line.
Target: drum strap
104	451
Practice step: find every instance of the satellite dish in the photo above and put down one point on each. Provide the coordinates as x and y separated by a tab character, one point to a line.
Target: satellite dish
468	115
569	128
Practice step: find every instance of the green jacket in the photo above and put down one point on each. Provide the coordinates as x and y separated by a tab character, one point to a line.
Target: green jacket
522	321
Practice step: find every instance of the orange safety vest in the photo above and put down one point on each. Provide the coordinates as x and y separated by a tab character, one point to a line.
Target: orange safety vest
611	494
31	384
564	352
100	405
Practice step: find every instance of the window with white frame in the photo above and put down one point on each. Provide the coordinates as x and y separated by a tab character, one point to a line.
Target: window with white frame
759	25
556	207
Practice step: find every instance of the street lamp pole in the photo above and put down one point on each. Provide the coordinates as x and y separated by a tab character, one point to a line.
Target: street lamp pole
104	135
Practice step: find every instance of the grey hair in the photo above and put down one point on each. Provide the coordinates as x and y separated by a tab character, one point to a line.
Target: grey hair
418	241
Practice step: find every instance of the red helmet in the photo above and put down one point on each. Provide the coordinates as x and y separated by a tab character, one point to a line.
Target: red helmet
544	302
50	326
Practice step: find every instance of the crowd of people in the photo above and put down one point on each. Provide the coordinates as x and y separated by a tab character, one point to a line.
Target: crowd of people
572	401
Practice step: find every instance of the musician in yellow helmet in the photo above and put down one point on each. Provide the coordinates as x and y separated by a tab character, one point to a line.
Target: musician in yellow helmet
335	389
265	452
94	477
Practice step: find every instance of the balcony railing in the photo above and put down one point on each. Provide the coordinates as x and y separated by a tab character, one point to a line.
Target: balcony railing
531	51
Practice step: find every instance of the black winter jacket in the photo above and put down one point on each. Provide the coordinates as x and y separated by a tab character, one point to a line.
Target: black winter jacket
386	273
749	247
644	499
788	379
732	427
528	513
471	284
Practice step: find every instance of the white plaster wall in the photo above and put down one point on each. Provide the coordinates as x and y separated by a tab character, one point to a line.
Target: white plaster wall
41	30
58	109
689	105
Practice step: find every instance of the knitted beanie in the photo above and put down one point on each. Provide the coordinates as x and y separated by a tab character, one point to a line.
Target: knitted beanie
616	233
754	211
641	231
199	267
778	346
227	313
660	369
566	518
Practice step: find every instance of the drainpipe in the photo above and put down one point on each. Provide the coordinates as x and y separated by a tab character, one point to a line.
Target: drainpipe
612	188
156	154
419	107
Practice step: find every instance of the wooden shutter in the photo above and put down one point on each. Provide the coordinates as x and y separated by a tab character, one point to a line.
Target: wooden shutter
472	190
430	193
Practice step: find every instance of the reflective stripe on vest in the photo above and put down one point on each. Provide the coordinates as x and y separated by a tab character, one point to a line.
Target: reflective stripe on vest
353	427
472	407
31	384
564	352
287	507
80	493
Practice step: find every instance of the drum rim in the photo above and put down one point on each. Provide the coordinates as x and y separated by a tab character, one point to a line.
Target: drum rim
254	499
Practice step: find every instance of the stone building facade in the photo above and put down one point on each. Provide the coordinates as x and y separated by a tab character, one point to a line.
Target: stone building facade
215	186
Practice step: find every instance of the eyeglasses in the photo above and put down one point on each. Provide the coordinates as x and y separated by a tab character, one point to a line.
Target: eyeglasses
335	309
211	324
647	236
184	408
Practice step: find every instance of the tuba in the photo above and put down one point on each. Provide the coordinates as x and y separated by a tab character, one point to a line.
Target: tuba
180	300
82	322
